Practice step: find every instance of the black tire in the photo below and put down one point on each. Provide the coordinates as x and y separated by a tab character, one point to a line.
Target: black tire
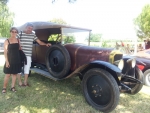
58	61
100	90
147	77
136	87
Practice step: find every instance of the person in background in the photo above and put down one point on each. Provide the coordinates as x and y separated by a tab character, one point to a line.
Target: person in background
117	45
140	47
148	44
122	44
12	59
26	41
144	44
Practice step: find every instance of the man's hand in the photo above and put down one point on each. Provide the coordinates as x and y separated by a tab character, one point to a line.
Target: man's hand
42	43
48	44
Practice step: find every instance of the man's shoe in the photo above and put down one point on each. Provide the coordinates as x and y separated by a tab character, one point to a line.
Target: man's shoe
26	85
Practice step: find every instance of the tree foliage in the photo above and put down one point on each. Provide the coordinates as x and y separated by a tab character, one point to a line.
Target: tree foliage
142	23
70	1
59	21
6	19
95	37
3	1
66	39
69	39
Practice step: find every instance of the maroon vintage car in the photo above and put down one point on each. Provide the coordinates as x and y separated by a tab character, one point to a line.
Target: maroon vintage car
144	56
103	71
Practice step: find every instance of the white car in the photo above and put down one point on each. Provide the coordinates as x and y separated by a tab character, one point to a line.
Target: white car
2	40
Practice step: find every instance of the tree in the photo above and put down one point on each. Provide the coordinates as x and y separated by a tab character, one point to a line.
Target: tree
3	1
70	1
69	39
59	21
142	23
66	39
6	19
95	37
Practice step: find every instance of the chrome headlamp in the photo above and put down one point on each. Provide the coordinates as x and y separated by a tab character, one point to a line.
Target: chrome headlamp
131	62
119	63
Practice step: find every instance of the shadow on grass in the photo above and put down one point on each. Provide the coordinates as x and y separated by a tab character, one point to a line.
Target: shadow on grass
48	96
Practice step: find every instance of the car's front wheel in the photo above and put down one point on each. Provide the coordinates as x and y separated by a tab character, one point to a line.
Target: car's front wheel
147	77
100	89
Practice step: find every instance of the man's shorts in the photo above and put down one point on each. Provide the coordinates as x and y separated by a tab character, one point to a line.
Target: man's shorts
27	66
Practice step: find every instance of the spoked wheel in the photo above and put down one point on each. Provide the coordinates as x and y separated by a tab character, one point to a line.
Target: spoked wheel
147	77
100	90
134	86
58	61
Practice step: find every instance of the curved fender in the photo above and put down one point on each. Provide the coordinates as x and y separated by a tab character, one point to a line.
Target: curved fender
108	65
101	63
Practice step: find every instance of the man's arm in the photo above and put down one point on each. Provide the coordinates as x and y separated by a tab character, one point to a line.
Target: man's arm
42	43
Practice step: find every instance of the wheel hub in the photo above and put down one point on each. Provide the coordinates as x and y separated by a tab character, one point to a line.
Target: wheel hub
55	61
97	90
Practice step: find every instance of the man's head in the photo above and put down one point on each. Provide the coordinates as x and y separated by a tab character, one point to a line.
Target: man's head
29	28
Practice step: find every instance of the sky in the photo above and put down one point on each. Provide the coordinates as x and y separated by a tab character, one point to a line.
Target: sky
111	18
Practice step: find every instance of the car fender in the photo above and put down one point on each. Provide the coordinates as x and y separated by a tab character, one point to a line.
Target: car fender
108	65
112	69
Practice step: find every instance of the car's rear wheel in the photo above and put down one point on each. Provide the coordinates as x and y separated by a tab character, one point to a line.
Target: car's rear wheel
58	61
100	89
147	77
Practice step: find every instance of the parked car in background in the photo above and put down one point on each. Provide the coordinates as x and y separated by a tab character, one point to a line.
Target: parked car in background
144	57
2	40
103	72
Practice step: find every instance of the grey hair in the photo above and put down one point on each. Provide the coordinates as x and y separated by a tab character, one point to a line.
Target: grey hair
29	24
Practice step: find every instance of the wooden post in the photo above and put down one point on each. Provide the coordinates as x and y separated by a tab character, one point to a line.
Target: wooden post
89	38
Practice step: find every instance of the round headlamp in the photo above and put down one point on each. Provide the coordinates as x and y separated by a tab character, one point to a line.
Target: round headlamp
131	62
121	64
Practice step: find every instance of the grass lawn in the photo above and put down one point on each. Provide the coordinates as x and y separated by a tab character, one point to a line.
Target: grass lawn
48	96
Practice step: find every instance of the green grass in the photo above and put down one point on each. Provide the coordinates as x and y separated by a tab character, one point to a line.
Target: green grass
48	96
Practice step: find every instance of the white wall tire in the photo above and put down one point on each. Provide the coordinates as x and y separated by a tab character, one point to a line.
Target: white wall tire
147	77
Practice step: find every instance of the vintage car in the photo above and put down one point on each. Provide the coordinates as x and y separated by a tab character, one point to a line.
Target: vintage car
103	71
144	56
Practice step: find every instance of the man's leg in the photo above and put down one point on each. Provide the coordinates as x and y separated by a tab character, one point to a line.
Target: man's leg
19	79
25	79
26	70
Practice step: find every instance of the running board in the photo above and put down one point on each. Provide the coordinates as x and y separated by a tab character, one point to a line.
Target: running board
44	73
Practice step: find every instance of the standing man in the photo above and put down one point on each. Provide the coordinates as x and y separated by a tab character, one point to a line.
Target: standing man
26	41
